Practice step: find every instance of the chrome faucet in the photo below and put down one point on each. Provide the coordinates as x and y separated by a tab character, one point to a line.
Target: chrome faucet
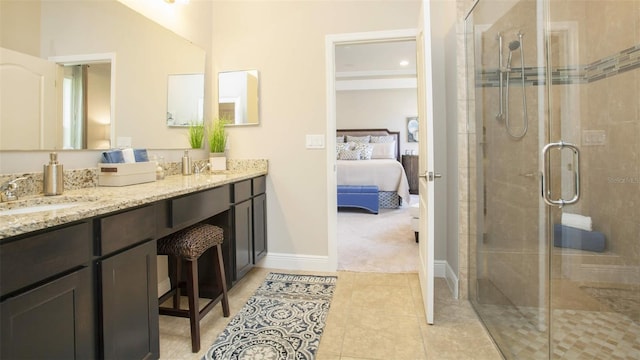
8	189
200	170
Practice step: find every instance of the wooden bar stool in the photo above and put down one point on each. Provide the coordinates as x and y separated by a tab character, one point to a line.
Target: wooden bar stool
187	246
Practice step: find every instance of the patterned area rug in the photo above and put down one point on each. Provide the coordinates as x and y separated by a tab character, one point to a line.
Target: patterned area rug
283	319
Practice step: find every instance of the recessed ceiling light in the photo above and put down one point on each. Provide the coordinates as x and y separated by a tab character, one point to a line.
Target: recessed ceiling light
404	63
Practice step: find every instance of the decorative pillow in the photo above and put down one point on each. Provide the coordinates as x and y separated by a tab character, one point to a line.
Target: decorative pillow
339	139
365	150
349	155
360	139
340	147
383	139
383	150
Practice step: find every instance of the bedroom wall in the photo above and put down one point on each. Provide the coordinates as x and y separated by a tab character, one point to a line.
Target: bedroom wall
285	41
381	108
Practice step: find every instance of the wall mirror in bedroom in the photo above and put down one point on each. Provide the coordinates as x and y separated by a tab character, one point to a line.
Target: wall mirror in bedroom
238	97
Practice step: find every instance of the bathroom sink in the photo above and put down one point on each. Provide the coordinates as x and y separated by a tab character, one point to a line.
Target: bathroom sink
40	204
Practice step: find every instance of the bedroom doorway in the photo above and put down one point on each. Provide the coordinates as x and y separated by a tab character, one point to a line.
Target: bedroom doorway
364	241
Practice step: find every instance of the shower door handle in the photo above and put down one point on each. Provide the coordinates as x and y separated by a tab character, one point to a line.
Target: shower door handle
546	192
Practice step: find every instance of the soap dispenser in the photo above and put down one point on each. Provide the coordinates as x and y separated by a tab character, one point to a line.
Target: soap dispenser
186	163
53	176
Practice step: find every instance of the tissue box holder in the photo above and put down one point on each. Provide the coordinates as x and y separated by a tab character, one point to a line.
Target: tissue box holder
123	174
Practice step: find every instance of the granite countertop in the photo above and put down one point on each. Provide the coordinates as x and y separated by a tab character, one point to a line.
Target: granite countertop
102	200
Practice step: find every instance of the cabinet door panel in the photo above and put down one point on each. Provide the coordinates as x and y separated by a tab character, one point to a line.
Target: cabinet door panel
259	227
53	321
46	254
128	228
130	304
243	238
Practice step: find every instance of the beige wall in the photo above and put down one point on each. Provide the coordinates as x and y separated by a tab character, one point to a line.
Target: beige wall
286	42
385	108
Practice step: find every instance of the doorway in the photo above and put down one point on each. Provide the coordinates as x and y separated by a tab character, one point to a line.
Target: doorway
331	42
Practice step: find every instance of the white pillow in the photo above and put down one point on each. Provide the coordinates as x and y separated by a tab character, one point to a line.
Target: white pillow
384	150
361	139
383	139
339	139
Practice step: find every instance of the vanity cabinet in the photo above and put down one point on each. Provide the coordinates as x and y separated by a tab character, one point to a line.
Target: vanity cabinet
47	308
128	290
249	225
259	219
242	215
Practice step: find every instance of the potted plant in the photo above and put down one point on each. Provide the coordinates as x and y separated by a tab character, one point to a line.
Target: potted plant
196	135
218	143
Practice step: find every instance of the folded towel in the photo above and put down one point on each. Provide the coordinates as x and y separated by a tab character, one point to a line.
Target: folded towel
570	237
141	155
128	155
112	156
577	221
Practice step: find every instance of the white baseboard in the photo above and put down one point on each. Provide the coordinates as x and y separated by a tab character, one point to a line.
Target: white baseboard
452	280
296	262
439	268
164	285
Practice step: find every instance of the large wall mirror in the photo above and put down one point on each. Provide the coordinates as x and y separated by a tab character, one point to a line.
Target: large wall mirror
238	97
142	57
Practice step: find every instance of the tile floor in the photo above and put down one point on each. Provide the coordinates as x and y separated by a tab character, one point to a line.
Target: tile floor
372	316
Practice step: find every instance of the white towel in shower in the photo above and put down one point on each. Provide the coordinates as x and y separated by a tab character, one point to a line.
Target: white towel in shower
577	221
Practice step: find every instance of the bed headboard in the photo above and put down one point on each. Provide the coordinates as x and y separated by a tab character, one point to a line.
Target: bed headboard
376	132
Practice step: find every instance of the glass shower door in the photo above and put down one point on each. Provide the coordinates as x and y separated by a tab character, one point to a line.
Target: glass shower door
508	249
593	56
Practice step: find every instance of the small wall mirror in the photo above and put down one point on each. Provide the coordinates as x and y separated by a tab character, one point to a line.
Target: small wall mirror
185	99
238	97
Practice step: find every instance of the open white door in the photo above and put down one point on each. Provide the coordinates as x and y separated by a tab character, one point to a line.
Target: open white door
28	90
426	167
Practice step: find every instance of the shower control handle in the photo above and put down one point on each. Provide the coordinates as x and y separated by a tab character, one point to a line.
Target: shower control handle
546	192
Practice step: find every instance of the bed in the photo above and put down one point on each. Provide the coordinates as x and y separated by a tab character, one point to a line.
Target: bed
375	161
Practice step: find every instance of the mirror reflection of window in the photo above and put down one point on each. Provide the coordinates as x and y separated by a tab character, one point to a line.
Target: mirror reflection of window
86	106
238	98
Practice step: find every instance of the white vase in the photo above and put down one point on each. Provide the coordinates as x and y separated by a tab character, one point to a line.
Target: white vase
218	161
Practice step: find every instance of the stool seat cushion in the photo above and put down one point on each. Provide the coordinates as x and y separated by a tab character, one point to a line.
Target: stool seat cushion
414	210
191	242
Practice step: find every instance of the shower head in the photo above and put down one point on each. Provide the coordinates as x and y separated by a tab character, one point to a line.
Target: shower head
513	46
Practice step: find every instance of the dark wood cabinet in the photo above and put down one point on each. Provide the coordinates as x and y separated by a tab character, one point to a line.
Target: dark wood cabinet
47	288
243	231
259	227
129	299
410	164
128	284
51	321
249	224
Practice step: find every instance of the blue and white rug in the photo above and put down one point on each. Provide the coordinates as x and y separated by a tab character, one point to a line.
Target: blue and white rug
283	319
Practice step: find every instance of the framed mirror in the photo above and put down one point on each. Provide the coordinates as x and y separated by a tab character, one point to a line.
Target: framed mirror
185	99
238	97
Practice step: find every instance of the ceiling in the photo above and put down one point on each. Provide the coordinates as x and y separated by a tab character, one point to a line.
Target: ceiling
376	59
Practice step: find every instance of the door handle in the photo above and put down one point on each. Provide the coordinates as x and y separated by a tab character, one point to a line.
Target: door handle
431	176
546	192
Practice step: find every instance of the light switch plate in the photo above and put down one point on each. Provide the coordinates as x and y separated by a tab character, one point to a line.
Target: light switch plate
315	142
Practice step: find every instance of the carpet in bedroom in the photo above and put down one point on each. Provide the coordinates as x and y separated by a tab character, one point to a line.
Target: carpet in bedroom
377	243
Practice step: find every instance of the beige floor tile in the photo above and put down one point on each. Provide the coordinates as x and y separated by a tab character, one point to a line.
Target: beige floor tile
372	316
